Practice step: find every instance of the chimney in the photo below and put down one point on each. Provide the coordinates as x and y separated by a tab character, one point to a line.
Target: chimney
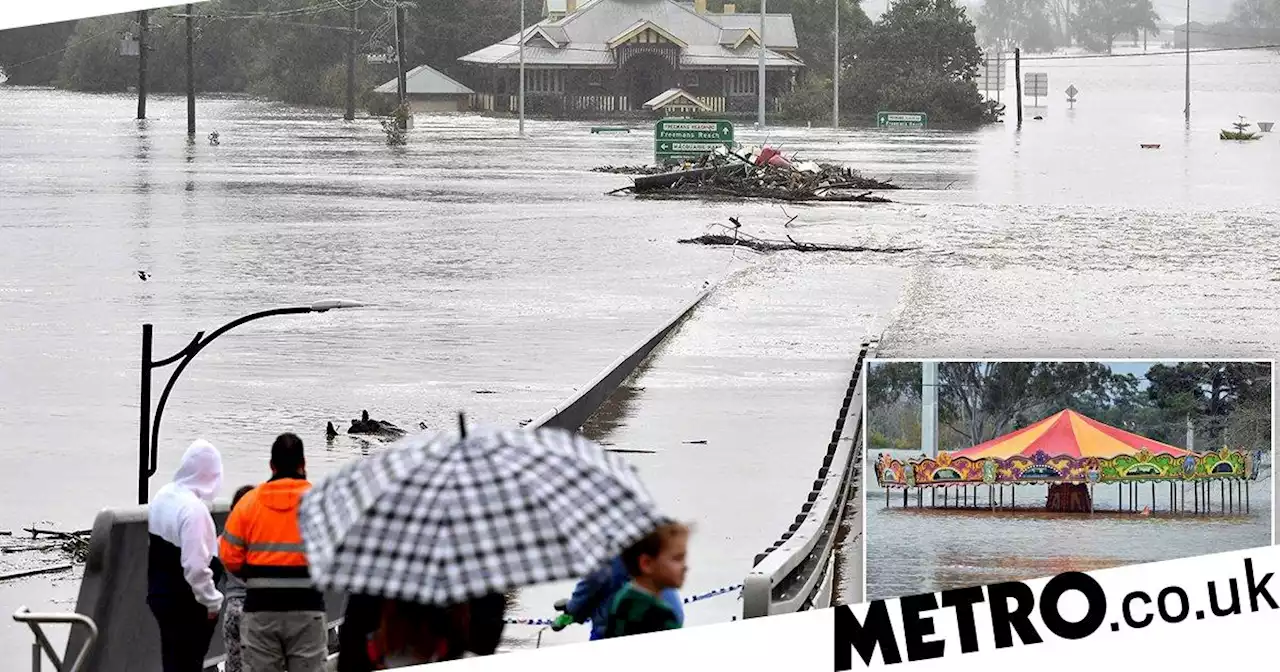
728	8
700	6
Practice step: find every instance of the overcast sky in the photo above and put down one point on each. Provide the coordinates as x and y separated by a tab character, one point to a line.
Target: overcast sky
1170	11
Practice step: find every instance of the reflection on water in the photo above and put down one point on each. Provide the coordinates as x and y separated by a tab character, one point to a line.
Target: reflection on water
912	550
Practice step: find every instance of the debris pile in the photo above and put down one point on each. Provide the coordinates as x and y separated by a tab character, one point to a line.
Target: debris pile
74	546
762	174
630	170
733	236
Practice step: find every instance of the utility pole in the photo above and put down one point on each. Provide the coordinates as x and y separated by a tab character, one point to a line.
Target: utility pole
142	64
521	67
1017	79
1186	111
760	119
835	74
401	89
351	65
191	77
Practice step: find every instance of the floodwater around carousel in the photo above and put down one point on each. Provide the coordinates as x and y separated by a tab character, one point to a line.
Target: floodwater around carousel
914	549
504	278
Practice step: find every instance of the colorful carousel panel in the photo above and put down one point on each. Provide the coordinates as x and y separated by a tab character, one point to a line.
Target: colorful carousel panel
1067	448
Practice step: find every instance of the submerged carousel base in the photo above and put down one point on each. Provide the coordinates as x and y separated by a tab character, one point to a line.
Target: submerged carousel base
1187	482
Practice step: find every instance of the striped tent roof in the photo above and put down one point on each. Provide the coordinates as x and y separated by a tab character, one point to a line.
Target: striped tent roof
1070	434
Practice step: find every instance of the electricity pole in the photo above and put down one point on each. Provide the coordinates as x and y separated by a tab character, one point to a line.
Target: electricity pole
760	120
351	65
835	75
401	89
142	64
191	77
1186	111
521	68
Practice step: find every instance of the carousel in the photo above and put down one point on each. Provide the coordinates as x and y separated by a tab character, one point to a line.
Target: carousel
1073	455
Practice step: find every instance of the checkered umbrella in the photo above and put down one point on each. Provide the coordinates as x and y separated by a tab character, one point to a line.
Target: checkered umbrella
438	519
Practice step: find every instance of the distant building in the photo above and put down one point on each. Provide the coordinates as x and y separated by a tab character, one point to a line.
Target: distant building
614	56
430	90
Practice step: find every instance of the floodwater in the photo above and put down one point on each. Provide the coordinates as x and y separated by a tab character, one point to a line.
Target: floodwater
917	550
502	277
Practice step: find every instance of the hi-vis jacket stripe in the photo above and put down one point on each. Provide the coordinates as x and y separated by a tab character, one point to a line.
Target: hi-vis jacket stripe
263	545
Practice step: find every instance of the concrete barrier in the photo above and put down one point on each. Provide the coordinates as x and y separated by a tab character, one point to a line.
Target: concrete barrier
113	590
573	412
798	572
113	593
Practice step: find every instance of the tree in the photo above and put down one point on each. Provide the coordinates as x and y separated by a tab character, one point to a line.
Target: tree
922	55
1100	22
1260	19
29	56
1017	23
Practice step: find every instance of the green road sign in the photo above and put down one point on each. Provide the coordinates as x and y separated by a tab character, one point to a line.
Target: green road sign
690	138
902	119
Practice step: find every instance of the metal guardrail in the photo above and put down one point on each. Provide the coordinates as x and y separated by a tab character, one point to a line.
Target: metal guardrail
797	573
42	647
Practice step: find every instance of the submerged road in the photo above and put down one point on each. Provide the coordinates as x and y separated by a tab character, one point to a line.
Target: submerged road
734	413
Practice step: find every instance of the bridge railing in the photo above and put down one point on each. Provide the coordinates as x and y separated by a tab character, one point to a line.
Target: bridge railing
798	572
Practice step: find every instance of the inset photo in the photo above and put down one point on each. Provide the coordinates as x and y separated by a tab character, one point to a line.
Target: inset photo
988	471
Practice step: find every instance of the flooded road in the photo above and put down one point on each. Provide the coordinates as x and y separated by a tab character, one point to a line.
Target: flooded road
912	550
503	277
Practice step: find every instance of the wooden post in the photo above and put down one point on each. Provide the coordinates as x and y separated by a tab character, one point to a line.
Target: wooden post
401	88
191	76
351	65
143	29
1017	78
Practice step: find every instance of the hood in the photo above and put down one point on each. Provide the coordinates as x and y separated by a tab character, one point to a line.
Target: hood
282	494
201	470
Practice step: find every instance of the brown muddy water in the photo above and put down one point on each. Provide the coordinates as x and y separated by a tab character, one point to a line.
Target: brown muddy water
498	265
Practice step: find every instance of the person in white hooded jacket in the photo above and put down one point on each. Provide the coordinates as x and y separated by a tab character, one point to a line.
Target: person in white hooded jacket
182	564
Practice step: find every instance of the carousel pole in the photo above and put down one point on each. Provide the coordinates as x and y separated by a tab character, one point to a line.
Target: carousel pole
905	492
1153	496
933	498
1013	496
1246	495
886	497
1222	495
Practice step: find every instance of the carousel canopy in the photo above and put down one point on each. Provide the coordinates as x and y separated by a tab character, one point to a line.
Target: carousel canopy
1069	434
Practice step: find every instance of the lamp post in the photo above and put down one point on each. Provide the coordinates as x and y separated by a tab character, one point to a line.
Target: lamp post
149	428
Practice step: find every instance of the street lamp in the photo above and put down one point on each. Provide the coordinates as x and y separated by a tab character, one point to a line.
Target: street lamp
148	428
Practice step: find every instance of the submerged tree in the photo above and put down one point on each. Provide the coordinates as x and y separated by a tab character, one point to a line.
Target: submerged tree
922	55
1099	22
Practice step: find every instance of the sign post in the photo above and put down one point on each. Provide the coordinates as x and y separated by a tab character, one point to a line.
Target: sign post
675	139
1071	95
1037	86
902	119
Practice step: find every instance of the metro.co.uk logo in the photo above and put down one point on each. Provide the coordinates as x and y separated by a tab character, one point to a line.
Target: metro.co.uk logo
1011	606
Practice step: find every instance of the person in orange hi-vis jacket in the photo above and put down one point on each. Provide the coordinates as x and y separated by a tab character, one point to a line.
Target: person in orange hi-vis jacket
283	627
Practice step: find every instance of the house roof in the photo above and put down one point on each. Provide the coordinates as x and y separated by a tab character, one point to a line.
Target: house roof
676	95
583	38
426	80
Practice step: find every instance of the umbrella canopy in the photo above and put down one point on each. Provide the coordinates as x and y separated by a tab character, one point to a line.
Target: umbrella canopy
438	519
1069	434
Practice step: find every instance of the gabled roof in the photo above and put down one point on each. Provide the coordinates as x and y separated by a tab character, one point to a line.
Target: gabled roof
425	80
678	96
589	33
553	34
779	29
641	26
743	36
